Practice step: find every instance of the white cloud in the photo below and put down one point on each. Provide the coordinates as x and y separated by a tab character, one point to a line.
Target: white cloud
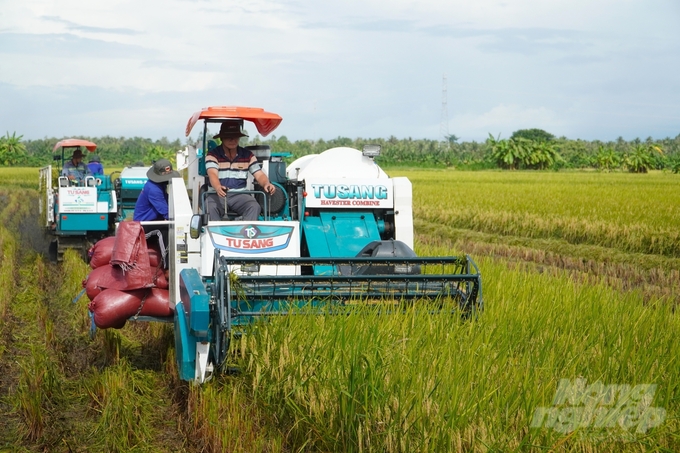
504	120
351	67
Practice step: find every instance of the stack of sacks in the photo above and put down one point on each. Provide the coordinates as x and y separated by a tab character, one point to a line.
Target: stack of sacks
127	279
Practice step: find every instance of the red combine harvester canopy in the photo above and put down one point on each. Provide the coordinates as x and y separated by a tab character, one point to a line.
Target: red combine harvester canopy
264	121
70	142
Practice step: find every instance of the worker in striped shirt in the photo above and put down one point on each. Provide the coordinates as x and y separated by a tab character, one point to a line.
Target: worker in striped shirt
228	166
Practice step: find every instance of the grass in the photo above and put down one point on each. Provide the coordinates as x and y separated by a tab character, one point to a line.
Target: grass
580	281
415	382
631	213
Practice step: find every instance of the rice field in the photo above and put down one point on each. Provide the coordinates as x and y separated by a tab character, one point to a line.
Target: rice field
576	349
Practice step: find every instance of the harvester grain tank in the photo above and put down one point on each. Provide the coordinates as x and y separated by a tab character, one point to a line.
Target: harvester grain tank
128	185
337	232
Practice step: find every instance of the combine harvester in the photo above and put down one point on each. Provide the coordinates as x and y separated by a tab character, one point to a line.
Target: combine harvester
75	213
337	232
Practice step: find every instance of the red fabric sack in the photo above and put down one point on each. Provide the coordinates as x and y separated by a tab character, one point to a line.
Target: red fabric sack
90	285
160	279
129	248
100	252
154	258
131	255
110	276
156	303
112	308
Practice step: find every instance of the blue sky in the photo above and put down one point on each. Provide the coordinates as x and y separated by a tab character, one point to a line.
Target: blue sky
596	69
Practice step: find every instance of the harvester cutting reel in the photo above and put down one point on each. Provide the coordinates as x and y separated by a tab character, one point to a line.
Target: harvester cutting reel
245	289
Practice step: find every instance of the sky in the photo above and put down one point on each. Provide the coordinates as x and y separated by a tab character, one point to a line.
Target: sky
583	69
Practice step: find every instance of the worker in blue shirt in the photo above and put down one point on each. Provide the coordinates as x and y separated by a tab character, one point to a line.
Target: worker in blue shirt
95	165
152	203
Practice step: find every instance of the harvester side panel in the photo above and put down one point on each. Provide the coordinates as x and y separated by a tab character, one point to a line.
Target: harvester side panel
339	233
185	346
403	210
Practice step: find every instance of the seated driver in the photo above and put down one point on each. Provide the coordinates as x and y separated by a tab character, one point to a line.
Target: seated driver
75	169
228	166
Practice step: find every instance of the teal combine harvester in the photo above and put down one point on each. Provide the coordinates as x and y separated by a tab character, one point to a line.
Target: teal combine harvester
75	212
78	213
338	231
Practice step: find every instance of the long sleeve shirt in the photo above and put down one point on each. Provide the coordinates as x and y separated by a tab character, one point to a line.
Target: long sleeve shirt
152	203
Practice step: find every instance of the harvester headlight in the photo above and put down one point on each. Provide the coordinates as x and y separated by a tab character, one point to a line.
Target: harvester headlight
371	150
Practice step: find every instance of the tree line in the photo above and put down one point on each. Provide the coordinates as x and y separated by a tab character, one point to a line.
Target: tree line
524	149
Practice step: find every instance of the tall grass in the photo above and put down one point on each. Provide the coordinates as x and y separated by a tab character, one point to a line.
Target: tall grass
8	248
127	401
633	213
416	382
223	417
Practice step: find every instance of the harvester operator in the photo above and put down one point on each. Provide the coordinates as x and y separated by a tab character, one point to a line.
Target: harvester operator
74	169
228	166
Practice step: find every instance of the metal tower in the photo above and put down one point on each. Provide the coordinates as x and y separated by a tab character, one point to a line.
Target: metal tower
444	124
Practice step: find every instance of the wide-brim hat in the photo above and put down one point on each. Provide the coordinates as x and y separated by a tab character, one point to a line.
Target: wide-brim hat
94	158
230	129
77	154
161	171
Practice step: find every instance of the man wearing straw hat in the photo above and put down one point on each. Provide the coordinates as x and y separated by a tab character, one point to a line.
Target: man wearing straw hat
228	166
74	169
152	203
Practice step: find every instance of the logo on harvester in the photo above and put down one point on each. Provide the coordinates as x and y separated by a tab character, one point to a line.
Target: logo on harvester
250	232
250	239
353	193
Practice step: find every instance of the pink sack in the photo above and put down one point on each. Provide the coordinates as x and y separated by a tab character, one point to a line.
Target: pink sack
113	277
100	252
156	302
112	308
129	248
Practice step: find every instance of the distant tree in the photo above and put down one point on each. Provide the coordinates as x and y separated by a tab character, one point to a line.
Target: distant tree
536	135
641	158
452	138
523	153
606	158
155	152
506	153
12	150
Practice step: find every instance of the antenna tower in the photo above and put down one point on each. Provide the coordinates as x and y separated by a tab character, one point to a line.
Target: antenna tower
444	124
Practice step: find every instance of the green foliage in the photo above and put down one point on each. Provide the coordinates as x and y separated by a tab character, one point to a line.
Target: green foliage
12	150
523	153
536	135
642	158
607	159
674	164
526	149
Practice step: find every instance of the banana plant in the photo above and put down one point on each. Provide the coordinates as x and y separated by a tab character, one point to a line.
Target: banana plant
606	159
641	158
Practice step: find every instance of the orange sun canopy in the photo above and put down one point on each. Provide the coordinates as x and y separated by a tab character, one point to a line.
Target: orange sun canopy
264	121
69	142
